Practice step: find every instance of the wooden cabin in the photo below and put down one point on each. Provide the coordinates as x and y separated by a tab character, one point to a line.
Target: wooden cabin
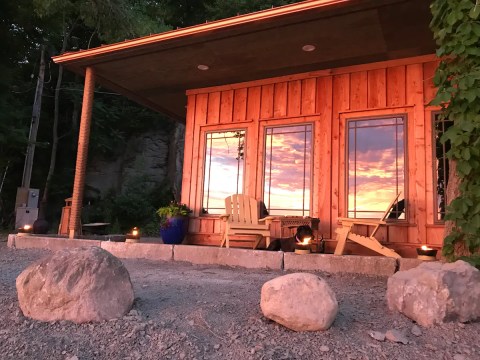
318	109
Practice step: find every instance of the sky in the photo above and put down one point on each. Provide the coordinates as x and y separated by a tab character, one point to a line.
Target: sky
375	165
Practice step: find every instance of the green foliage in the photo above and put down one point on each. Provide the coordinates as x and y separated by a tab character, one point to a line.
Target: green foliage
456	28
135	206
117	119
172	209
219	9
110	20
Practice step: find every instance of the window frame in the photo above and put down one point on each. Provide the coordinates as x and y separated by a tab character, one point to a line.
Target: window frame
437	221
286	124
203	162
375	116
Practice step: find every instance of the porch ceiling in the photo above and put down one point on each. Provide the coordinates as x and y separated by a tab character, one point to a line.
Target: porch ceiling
157	70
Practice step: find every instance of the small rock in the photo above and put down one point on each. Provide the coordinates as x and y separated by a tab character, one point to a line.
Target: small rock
458	357
377	335
182	355
396	336
324	348
216	346
281	300
416	330
191	322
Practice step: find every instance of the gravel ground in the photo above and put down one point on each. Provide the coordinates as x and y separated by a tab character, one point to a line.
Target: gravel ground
185	311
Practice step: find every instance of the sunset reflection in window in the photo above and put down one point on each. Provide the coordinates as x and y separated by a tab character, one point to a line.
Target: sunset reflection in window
376	165
287	170
224	162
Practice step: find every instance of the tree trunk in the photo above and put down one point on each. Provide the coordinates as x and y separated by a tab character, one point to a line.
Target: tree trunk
53	154
452	193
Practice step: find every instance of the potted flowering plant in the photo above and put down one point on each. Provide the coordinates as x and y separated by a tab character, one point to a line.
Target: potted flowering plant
173	222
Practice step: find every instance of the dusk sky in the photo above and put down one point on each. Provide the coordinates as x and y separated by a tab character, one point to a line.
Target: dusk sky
221	169
375	165
288	170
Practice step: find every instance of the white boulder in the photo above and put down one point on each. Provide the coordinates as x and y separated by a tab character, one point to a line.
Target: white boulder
80	285
434	292
300	302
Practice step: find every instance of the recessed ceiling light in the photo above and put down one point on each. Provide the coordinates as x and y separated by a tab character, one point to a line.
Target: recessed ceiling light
203	67
308	48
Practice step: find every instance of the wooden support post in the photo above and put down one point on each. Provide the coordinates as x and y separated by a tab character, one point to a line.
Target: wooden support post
82	154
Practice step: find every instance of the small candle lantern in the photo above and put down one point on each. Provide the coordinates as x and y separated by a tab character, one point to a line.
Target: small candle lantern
427	254
25	230
133	236
303	247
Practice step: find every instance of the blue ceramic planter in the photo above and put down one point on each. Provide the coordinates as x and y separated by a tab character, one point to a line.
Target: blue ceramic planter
175	231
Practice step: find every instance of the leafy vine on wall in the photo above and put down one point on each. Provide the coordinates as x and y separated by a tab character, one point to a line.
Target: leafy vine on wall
456	28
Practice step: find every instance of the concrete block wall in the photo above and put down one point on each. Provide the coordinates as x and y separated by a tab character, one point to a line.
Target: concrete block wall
210	255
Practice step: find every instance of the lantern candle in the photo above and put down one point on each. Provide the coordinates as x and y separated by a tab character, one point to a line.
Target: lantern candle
25	230
303	247
426	253
134	236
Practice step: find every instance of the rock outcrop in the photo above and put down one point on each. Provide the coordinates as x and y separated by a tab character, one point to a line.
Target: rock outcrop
300	301
80	285
433	293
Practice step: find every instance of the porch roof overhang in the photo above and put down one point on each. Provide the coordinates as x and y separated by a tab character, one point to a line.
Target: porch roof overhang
156	70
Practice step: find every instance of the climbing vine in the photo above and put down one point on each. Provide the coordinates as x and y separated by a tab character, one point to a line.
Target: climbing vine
456	28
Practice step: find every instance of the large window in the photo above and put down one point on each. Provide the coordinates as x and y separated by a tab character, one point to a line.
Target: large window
288	162
375	166
441	165
224	162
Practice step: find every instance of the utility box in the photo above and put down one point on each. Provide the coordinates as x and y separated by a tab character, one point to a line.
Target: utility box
25	216
27	197
32	198
26	206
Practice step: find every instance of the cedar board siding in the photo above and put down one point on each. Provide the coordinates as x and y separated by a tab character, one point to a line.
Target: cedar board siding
325	98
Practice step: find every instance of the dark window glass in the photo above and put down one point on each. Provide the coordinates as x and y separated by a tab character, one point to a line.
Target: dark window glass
441	165
375	166
288	163
224	162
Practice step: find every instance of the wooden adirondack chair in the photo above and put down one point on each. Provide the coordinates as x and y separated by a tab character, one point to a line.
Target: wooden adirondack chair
241	218
345	232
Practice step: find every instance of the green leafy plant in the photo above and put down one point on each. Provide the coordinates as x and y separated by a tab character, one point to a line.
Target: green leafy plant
135	206
171	210
456	28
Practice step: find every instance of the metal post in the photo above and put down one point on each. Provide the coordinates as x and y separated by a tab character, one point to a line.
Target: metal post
82	154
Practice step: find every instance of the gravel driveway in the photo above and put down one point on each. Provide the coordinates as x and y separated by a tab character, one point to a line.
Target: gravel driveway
185	311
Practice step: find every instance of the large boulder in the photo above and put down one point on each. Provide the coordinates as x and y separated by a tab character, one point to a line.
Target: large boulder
434	292
80	285
300	301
